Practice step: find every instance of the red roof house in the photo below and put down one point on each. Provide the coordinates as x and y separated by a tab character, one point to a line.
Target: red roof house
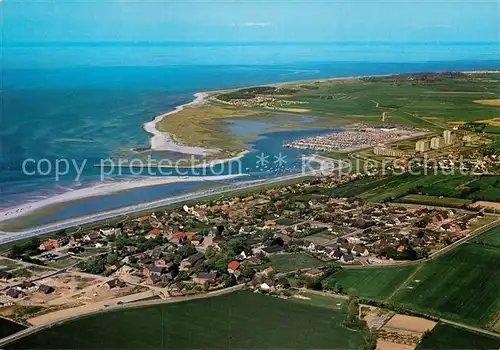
233	266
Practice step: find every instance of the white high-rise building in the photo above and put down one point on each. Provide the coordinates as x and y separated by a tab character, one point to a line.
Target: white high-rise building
437	142
449	137
423	146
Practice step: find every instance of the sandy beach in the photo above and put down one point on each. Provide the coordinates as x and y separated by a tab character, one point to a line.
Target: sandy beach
105	189
161	141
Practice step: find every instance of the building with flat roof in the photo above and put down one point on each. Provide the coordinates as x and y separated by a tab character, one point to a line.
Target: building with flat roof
437	142
449	137
387	151
423	146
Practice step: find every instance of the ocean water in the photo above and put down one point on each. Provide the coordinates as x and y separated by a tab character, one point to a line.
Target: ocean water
89	102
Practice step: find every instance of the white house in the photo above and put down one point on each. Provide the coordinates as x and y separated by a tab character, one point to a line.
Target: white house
110	231
265	286
347	259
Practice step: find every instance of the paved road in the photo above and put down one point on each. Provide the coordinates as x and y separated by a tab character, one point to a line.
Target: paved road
138	304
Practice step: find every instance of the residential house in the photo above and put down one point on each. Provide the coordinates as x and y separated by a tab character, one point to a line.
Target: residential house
265	286
91	236
76	238
154	269
197	240
269	224
15	293
311	247
337	254
177	237
199	213
203	277
272	249
190	261
43	288
49	244
267	271
360	250
313	272
62	241
345	247
115	283
27	285
254	260
175	288
153	279
110	231
347	259
216	241
4	275
154	233
233	266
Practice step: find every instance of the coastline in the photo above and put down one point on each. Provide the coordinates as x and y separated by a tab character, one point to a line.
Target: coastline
11	236
161	141
103	190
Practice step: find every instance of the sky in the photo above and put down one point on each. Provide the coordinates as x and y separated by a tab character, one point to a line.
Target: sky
249	21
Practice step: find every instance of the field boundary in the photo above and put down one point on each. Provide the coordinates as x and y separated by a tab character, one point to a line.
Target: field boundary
139	304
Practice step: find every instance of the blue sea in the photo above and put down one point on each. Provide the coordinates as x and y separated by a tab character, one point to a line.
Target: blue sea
90	101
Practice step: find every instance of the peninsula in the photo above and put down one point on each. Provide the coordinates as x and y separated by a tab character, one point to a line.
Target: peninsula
426	100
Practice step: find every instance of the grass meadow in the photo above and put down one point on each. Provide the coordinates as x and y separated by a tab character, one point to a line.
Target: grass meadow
373	283
293	261
236	320
445	336
462	285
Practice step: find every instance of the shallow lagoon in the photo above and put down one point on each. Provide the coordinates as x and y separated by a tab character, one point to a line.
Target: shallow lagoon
279	161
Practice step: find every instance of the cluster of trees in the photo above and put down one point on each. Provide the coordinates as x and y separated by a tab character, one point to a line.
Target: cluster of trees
96	265
247	93
180	254
353	320
140	242
26	249
333	285
408	253
493	148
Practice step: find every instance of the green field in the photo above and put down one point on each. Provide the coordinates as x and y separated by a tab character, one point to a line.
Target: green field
8	327
491	237
9	265
322	301
236	320
373	283
445	336
465	188
387	188
292	262
446	98
433	200
462	285
62	263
